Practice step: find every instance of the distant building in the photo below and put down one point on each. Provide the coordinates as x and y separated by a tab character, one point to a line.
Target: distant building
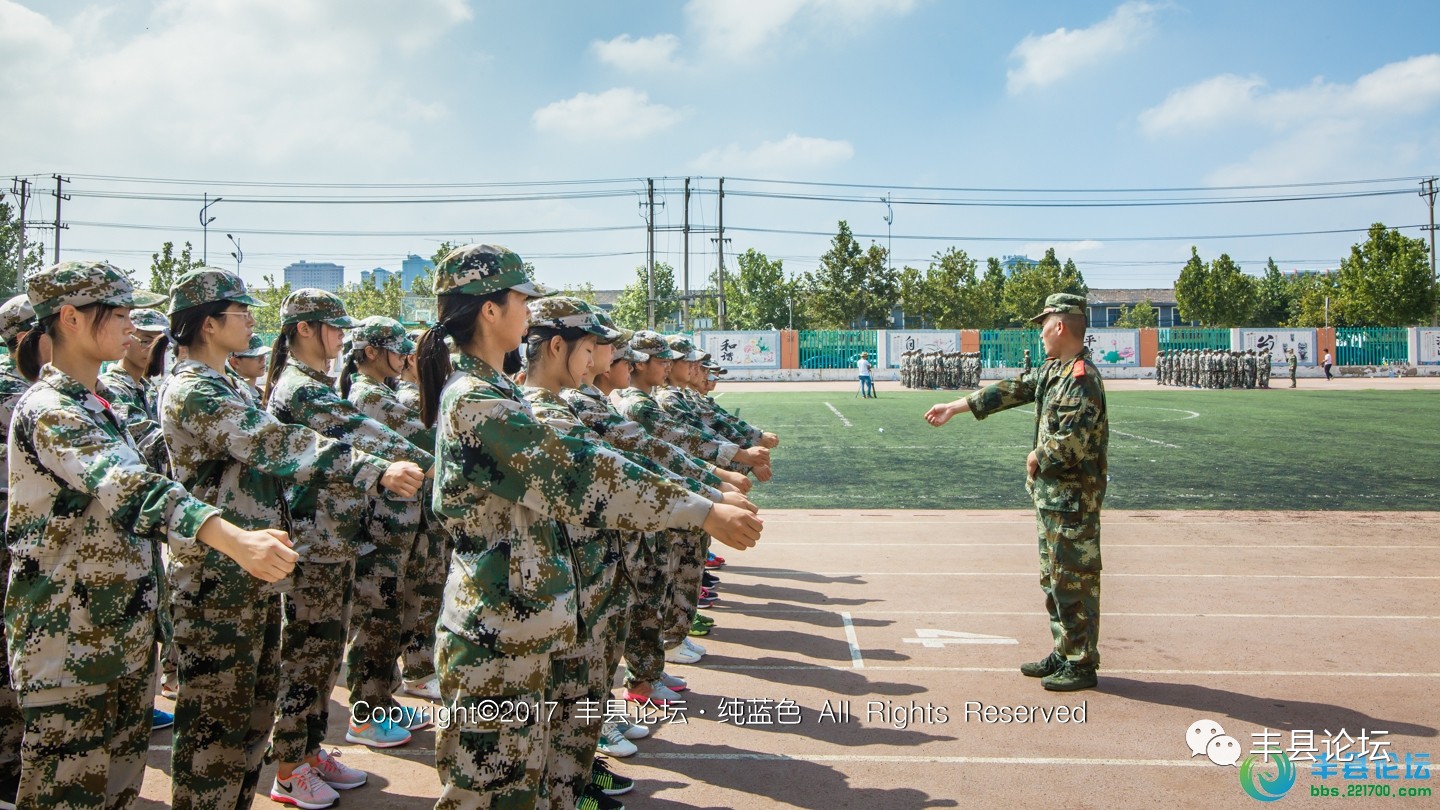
322	275
379	276
413	268
1106	306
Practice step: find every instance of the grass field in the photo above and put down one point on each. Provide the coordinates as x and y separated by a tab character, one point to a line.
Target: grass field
1177	449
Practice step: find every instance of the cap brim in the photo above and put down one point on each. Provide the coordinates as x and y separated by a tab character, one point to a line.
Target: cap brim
247	299
407	346
532	290
343	322
140	299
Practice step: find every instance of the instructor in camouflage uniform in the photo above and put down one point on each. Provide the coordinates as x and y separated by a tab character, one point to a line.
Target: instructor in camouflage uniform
1066	476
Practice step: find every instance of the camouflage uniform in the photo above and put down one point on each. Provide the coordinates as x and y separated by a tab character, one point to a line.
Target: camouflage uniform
399	584
85	519
1292	363
16	316
328	517
227	623
1071	438
257	348
134	400
505	483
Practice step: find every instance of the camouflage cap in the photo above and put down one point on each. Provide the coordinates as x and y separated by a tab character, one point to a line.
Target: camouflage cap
683	347
622	351
81	283
382	333
207	285
625	334
484	269
150	320
653	346
16	316
564	312
257	348
1062	304
311	304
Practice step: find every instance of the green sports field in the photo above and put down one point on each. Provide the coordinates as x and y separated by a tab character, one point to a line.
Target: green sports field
1178	449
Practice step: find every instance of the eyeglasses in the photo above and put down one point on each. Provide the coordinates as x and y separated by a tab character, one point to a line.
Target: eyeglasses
246	314
143	341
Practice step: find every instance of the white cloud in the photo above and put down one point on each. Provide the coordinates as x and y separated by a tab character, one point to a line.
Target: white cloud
1399	88
252	81
1048	58
791	155
618	113
741	29
655	53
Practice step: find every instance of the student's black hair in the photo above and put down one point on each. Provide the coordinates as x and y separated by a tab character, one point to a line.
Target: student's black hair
185	327
538	336
279	356
456	317
27	350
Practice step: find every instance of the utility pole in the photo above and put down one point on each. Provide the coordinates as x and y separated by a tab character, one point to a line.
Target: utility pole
685	264
650	254
720	245
21	188
59	226
205	226
1428	192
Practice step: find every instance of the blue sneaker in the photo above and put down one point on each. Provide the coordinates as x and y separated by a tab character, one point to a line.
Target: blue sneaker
160	720
377	734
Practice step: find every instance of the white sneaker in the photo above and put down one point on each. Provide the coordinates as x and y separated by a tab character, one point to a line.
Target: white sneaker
613	743
659	692
428	688
633	731
681	655
337	774
695	648
304	789
675	683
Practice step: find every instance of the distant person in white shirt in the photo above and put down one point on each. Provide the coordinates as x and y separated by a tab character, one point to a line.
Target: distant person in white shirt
867	385
1327	362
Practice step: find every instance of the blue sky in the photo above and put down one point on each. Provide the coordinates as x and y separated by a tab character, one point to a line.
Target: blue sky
890	93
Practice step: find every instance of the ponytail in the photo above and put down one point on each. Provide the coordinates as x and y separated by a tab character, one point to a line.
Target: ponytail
457	317
279	356
155	365
27	354
351	367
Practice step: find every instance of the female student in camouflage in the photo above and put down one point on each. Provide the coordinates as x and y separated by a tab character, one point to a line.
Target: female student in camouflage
130	388
85	520
504	484
235	454
328	516
1066	477
250	364
399	584
16	318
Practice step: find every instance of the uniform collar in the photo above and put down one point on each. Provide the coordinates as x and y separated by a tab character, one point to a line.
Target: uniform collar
70	387
473	365
314	374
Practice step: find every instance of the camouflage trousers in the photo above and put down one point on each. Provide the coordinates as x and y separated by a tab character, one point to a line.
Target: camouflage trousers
489	752
229	678
1070	577
686	566
312	642
85	747
644	651
395	616
12	722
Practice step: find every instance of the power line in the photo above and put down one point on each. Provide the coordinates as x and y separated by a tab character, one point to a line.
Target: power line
1057	239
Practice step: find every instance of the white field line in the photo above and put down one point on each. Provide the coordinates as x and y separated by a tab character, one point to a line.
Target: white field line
841	415
854	643
1030	613
1108	575
1144	439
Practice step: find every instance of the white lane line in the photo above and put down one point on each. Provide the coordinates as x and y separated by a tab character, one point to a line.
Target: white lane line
737	606
1144	439
1264	673
841	415
1107	574
854	642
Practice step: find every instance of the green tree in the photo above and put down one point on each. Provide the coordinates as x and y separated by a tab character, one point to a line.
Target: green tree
1274	297
994	285
915	298
267	318
1028	286
757	294
959	299
630	309
585	292
852	285
13	269
1215	294
1386	280
1316	301
165	266
1140	316
365	299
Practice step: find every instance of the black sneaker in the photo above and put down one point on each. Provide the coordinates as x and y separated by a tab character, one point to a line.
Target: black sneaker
1071	677
1049	665
609	782
593	799
709	580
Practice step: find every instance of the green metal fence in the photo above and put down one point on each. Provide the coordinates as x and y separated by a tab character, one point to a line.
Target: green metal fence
1192	337
1006	347
838	349
1371	345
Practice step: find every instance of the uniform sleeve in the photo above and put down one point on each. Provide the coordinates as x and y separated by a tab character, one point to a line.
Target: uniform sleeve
256	438
631	436
90	460
1003	395
323	411
394	415
571	480
1077	416
664	427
